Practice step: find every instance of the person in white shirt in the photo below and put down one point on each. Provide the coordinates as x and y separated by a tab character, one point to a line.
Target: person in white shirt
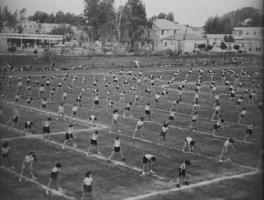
190	142
69	136
157	97
54	176
61	111
216	113
74	110
147	111
117	149
228	143
128	109
93	119
87	185
28	164
218	125
139	127
5	154
163	132
182	173
114	121
93	143
46	127
148	159
242	115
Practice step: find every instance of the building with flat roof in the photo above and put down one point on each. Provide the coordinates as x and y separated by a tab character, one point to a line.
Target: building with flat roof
26	40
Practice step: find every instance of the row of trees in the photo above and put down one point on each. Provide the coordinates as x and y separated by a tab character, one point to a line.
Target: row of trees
11	19
225	23
59	18
126	23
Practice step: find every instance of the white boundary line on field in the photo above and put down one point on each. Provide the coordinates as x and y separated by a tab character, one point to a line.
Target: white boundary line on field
101	126
54	192
30	135
195	185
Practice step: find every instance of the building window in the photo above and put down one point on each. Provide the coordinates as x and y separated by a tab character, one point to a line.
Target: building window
247	33
256	48
255	33
174	31
165	44
240	32
162	32
249	49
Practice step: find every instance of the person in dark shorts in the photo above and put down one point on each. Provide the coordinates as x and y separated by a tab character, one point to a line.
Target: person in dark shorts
148	159
87	185
69	137
54	176
5	155
182	173
117	149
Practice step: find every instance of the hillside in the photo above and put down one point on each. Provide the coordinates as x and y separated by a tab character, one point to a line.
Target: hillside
237	17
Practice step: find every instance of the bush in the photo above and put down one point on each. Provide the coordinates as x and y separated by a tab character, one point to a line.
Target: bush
12	49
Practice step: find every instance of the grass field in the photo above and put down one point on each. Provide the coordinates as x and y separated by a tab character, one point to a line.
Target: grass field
237	179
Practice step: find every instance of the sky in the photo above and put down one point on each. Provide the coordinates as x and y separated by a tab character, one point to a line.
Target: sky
192	12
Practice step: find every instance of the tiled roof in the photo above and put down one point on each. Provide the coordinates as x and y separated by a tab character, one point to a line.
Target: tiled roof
165	24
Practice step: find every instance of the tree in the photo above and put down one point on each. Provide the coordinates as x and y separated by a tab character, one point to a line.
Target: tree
22	14
64	30
39	17
170	17
161	16
134	22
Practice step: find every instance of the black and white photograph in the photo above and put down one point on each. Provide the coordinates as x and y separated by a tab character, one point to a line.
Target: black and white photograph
131	99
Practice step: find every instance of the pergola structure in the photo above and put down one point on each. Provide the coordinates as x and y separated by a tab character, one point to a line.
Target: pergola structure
32	38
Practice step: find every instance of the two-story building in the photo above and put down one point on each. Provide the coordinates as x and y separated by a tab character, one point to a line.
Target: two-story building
249	39
161	28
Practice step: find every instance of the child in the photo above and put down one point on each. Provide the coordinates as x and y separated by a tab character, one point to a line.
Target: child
216	113
96	101
28	164
136	99
27	127
182	173
239	102
157	97
147	111
139	127
148	159
128	109
163	133
61	111
93	119
194	118
46	127
53	177
5	154
229	142
69	137
174	103
242	115
114	121
44	103
217	125
122	97
93	143
249	131
172	115
117	149
74	110
15	117
190	142
87	185
108	95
